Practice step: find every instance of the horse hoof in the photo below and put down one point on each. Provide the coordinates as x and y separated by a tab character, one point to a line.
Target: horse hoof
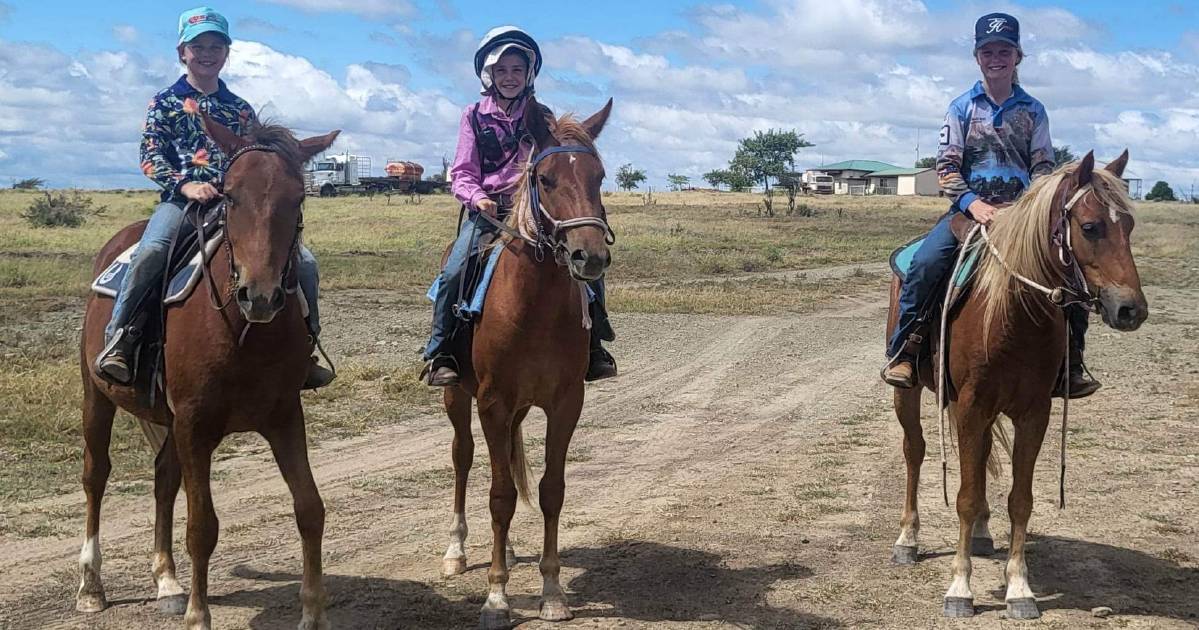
903	554
1022	608
453	566
982	547
494	619
555	611
308	622
172	604
91	602
959	607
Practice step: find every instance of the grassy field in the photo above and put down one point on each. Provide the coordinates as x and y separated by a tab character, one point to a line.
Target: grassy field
690	252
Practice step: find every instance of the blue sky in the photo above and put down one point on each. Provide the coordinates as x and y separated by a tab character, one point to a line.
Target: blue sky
858	77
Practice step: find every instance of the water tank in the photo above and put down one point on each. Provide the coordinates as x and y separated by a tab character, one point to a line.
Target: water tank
407	171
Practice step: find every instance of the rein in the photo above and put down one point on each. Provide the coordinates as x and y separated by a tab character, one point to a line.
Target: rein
1061	297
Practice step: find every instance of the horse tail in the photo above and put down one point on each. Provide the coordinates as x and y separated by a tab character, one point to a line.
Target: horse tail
519	465
156	434
1001	436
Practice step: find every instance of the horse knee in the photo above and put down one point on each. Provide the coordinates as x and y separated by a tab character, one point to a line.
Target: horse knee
310	517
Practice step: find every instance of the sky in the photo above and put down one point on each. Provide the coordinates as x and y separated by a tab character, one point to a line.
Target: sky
861	79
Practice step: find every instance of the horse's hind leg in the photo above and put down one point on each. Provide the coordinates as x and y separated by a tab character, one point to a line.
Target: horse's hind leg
981	543
560	426
195	449
98	412
457	407
907	409
291	454
497	428
167	477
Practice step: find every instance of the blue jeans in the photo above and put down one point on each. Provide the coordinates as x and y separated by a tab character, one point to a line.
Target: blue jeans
929	266
150	260
445	318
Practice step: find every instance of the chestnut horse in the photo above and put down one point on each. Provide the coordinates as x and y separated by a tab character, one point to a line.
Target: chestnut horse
217	381
1006	344
530	347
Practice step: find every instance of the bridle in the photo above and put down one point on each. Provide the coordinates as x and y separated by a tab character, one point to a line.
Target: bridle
222	222
551	232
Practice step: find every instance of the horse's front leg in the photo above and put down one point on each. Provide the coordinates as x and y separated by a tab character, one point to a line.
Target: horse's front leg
167	477
195	447
1021	603
560	426
959	600
497	429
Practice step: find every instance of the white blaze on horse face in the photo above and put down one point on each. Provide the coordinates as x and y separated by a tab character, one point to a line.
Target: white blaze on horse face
572	159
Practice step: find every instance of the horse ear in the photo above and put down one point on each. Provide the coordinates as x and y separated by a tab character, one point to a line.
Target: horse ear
595	124
1116	166
1082	174
316	144
224	138
537	121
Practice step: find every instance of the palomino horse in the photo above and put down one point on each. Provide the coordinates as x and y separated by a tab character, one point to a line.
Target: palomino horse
1006	345
529	348
218	380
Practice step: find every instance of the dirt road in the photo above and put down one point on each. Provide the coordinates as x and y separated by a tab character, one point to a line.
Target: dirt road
742	472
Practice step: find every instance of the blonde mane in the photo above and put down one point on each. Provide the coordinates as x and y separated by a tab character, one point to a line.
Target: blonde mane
566	130
1021	233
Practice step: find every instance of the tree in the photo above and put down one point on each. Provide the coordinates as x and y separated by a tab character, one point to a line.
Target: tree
678	182
32	183
717	177
768	154
927	162
628	177
1161	192
1063	155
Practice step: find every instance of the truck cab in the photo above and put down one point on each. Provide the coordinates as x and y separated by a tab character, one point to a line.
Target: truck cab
327	175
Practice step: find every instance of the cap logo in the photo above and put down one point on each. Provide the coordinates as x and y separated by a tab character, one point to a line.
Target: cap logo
997	25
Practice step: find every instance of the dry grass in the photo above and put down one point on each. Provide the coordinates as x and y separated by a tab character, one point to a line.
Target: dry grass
691	252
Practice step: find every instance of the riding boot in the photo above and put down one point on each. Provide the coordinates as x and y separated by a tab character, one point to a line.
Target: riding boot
318	375
600	364
900	370
441	371
115	363
1082	384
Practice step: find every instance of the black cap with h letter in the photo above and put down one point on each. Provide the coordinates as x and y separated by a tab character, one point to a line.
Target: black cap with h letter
996	27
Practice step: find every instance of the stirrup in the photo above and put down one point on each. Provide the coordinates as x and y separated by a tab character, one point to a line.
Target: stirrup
115	363
898	381
435	371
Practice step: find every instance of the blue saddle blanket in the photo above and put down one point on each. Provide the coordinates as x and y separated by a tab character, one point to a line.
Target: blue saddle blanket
182	283
901	261
472	307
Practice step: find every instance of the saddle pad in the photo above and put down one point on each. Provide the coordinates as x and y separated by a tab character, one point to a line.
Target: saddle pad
474	306
181	285
901	261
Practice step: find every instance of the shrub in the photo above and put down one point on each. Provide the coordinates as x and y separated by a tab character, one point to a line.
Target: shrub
32	183
61	209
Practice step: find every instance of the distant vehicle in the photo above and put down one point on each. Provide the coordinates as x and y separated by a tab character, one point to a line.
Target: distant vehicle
817	183
347	173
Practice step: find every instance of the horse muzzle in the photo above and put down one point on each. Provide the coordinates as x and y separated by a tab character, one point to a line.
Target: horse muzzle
1123	308
260	307
588	265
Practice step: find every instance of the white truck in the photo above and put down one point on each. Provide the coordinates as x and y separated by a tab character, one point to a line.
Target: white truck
815	182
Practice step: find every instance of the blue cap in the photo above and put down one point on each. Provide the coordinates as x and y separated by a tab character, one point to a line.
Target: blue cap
996	27
195	22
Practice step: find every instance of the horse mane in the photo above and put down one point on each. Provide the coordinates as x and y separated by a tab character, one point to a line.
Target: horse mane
1021	233
282	141
568	131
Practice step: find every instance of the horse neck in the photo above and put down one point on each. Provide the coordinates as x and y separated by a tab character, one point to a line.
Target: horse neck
543	283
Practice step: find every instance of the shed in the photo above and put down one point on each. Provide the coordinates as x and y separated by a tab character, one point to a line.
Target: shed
849	176
904	181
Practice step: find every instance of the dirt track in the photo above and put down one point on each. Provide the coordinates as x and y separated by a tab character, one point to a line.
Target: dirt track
742	472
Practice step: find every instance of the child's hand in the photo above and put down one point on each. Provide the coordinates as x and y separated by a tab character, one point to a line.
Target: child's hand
982	211
199	191
487	206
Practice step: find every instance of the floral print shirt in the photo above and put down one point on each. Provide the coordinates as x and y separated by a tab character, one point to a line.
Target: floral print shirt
175	150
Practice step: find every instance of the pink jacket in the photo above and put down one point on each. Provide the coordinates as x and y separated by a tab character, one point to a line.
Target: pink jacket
470	185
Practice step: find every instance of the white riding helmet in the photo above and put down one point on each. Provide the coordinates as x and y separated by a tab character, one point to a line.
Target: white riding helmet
500	40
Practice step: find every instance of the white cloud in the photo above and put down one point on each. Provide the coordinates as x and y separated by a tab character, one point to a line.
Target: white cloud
365	8
125	33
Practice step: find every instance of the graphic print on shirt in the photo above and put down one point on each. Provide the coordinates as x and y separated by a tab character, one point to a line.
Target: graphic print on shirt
996	171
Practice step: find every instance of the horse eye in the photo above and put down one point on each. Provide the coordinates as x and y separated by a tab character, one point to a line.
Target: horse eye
545	181
1094	230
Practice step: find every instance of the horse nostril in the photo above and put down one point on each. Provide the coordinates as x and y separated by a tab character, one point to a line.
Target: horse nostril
578	256
277	299
243	295
1127	314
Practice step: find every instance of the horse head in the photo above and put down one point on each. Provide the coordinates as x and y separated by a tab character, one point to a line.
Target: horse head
1100	223
263	194
564	189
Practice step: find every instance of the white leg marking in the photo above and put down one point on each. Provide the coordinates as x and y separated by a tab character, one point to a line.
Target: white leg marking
164	577
454	561
960	587
91	590
497	598
909	534
1017	580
